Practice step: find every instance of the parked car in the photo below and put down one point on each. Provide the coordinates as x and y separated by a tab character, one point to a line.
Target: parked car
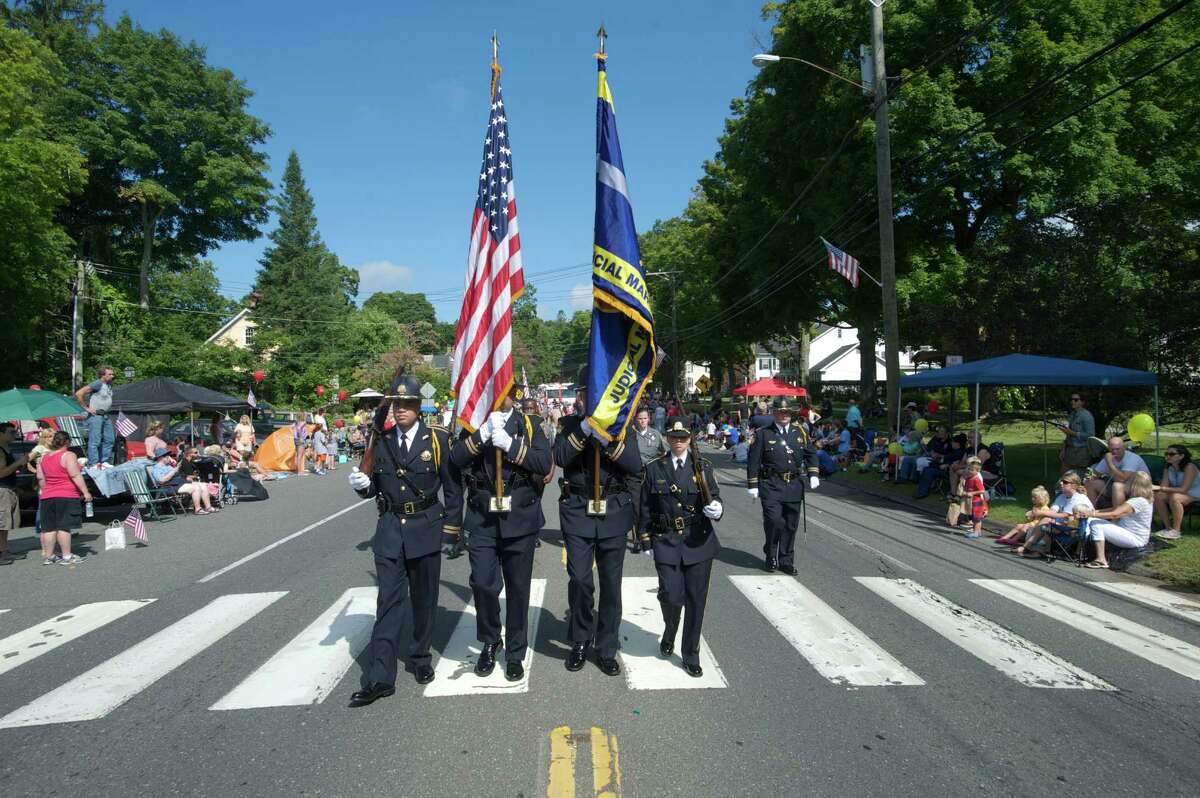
199	431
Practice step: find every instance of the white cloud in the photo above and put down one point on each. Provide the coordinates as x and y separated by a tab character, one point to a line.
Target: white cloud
580	297
382	275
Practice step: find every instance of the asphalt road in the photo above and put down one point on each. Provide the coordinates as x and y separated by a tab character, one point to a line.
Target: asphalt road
882	669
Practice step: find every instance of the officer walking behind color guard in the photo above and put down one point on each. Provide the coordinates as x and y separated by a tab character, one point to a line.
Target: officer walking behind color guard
595	531
503	526
678	512
775	470
410	462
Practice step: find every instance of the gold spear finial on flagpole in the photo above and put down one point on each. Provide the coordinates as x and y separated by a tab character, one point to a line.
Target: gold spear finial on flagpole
495	62
602	34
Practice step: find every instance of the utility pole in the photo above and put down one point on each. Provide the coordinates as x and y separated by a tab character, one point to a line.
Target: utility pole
77	324
674	331
887	247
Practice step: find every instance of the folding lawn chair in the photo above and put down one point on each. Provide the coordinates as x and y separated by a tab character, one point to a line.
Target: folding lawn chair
151	498
1070	543
70	425
999	488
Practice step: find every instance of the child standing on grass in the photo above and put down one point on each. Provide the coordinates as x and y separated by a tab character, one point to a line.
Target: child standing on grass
975	492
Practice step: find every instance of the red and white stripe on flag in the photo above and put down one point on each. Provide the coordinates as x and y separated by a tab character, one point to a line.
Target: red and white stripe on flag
842	263
134	522
125	426
482	369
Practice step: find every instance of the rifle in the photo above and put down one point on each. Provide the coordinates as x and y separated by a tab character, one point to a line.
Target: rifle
367	463
698	470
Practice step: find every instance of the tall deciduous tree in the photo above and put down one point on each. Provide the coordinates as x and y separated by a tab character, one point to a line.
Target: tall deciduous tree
403	307
180	143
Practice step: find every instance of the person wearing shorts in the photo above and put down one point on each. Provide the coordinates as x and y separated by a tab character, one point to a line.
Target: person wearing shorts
61	493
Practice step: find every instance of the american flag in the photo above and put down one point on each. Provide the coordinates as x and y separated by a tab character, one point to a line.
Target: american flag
124	426
482	368
842	263
135	523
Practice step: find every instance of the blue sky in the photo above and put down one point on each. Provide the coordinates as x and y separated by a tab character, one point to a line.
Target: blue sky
386	104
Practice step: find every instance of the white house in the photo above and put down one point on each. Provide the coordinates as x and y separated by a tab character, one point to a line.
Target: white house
238	331
833	356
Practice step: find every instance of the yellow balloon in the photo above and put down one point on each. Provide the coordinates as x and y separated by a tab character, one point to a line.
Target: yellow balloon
894	448
920	425
1141	427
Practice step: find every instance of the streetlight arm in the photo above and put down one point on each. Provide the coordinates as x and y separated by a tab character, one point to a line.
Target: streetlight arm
763	59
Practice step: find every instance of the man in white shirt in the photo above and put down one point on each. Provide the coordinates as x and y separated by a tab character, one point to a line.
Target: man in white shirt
1113	474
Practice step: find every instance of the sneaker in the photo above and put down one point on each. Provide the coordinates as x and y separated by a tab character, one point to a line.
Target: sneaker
53	558
1168	534
70	559
971	535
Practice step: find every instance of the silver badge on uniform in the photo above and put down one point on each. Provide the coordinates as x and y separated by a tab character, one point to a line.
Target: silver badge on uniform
426	456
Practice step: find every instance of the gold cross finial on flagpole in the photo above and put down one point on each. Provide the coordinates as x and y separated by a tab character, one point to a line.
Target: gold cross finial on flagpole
602	34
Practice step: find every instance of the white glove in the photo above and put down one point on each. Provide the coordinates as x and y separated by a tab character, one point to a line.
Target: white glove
497	420
485	431
753	493
713	510
587	430
501	440
359	480
814	483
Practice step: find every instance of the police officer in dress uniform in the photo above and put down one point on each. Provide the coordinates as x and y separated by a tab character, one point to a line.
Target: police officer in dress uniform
411	462
775	468
681	528
500	543
589	535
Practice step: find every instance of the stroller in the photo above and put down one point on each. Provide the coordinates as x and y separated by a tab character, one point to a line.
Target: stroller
240	486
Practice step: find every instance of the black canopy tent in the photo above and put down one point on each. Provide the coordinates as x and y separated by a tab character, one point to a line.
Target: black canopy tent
163	397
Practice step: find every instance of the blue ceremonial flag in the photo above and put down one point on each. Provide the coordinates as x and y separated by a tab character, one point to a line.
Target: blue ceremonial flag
621	351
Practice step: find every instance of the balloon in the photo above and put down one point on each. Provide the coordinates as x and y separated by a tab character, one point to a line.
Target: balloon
933	406
920	425
258	375
35	387
320	390
339	423
1141	427
342	395
895	448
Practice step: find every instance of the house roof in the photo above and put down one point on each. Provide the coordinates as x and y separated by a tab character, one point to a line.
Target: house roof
836	355
227	326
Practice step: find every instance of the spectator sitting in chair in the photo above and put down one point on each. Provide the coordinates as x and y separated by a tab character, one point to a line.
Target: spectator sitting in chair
1113	473
911	454
166	474
940	462
1126	526
235	461
1180	487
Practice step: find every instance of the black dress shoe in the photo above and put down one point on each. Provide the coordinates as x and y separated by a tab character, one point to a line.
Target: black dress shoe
424	674
608	665
577	657
790	570
369	695
693	670
514	671
487	659
666	647
770	565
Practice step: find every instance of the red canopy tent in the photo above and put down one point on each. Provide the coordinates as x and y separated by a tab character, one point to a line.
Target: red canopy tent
769	386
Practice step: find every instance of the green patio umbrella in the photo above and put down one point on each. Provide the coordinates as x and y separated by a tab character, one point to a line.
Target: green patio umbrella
25	404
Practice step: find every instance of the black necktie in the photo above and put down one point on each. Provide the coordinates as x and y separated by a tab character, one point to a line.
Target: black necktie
678	465
403	446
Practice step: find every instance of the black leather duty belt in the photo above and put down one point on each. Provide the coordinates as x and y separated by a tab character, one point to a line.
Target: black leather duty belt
605	493
408	508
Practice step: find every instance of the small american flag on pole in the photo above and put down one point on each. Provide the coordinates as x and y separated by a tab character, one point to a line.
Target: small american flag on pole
842	263
125	427
482	364
137	525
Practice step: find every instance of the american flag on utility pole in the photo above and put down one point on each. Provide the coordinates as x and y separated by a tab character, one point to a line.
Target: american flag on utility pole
482	367
842	263
125	426
137	525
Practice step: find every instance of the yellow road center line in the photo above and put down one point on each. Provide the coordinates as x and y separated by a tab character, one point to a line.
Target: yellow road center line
562	764
606	768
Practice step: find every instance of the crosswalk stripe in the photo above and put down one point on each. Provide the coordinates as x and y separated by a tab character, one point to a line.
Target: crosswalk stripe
642	628
1155	597
1014	656
28	645
308	668
1141	641
3	611
99	691
836	648
454	672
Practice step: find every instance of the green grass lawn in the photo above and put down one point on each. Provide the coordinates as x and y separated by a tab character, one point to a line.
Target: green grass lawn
1031	463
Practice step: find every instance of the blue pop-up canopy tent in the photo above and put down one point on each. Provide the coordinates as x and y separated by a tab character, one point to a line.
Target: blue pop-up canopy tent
1033	370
